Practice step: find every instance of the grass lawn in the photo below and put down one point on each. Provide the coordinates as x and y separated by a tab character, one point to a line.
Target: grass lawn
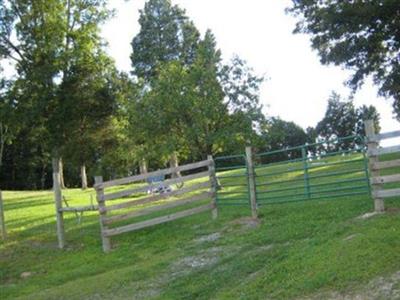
311	249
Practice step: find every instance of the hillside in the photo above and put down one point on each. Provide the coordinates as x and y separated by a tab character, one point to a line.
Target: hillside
302	250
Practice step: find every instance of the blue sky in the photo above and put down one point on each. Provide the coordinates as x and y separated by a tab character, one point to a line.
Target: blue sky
260	32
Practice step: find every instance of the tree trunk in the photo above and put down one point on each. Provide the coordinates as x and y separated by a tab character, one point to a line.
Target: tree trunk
143	166
61	170
84	177
174	163
3	133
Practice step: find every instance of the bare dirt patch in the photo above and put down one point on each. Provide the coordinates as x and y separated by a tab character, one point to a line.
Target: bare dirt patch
246	223
378	288
209	238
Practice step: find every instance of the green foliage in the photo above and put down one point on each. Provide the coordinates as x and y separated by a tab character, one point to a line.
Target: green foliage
342	119
166	34
279	134
359	35
191	103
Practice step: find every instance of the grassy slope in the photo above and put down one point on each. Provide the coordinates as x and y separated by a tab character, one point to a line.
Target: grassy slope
298	249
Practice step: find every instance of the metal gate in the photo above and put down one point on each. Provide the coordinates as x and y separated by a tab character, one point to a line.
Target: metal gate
325	170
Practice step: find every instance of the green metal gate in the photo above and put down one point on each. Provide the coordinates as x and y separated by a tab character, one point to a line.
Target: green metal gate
309	174
325	170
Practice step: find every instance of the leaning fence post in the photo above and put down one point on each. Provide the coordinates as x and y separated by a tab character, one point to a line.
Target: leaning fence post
372	144
58	203
102	211
252	182
213	181
2	220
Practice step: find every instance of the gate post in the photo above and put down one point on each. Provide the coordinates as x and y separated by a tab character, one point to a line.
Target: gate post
102	211
252	182
372	144
213	181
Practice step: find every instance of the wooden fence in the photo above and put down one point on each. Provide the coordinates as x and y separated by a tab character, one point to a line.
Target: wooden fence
60	208
375	166
111	213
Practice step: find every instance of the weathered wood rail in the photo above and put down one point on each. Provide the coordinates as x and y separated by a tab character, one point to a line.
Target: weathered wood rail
374	152
110	214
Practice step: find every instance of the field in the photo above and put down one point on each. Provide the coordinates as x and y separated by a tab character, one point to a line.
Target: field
303	250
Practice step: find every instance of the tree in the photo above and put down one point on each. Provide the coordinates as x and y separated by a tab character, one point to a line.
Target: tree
191	104
362	36
278	134
54	44
343	120
165	35
367	113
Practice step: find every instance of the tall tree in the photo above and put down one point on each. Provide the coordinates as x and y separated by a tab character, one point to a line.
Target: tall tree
363	36
342	120
166	34
54	43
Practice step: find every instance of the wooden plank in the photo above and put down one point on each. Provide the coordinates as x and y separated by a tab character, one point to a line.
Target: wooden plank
159	220
388	135
140	177
2	219
386	150
103	215
385	179
386	164
120	194
153	198
80	208
148	210
387	193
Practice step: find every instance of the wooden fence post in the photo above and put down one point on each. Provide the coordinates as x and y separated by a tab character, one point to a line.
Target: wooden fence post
58	203
2	219
101	203
372	144
252	182
213	181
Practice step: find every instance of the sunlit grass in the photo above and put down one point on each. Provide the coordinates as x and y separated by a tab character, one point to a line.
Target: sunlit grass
298	249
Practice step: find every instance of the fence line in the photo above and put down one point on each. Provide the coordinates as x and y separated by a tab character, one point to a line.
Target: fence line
107	220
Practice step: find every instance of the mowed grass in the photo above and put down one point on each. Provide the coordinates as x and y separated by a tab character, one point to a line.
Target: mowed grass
296	250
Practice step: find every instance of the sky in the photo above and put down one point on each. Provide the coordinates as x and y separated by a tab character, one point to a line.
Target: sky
259	31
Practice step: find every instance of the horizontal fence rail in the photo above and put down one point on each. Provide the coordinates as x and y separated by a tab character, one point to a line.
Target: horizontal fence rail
122	209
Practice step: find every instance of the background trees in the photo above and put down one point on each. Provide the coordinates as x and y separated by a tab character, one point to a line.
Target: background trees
192	103
181	100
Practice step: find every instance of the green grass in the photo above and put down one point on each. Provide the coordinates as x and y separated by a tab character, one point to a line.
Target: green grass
298	250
